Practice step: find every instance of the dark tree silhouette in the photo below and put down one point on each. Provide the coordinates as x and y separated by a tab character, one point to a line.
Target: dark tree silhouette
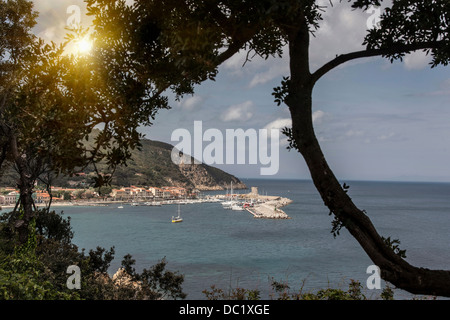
173	38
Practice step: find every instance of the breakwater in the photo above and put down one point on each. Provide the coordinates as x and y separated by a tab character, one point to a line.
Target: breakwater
265	207
270	209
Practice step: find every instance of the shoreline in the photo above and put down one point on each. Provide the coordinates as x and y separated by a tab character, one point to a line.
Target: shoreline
71	204
264	207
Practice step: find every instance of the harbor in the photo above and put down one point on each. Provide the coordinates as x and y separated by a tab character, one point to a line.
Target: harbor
259	206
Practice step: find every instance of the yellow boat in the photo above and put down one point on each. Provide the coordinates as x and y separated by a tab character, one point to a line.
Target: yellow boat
178	218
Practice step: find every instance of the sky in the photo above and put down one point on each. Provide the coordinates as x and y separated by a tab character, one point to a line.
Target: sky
375	120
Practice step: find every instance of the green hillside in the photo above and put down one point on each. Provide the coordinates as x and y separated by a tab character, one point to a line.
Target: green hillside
152	166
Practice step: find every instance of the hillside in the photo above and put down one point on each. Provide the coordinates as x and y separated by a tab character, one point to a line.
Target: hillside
152	166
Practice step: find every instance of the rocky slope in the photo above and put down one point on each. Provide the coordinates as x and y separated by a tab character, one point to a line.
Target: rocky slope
152	166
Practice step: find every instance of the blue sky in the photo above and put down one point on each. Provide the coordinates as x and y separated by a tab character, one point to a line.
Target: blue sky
375	120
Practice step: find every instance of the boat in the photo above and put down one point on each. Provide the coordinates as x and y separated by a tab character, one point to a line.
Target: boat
177	218
120	207
229	203
237	207
248	204
153	203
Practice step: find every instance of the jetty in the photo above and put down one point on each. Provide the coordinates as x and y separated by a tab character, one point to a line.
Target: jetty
266	207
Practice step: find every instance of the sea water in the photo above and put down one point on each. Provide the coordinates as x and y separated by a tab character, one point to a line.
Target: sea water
231	249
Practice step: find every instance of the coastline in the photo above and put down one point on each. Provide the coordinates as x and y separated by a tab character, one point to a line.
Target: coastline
70	204
263	207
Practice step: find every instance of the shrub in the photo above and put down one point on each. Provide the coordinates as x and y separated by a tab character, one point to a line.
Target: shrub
37	270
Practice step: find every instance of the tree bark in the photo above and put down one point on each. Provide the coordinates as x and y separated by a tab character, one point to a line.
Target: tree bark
26	187
299	100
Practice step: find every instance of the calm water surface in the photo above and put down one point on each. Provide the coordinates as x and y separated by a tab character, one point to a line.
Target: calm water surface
232	249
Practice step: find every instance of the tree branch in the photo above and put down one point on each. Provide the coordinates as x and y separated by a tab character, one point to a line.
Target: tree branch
395	49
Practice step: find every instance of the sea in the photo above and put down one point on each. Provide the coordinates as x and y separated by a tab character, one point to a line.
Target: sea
231	249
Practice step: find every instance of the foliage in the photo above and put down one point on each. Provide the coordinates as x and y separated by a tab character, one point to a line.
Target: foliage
282	291
387	293
154	283
280	93
39	271
409	22
148	47
337	225
51	101
22	278
233	294
394	244
189	40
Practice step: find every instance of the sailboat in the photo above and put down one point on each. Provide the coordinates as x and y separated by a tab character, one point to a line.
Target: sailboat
228	204
237	207
178	218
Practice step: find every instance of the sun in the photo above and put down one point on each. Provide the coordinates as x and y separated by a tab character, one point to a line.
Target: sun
84	45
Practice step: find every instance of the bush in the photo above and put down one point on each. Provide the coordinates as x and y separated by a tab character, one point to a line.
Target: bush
282	292
38	269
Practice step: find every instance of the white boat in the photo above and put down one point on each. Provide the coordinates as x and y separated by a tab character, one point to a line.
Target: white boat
177	218
229	204
153	203
237	207
120	207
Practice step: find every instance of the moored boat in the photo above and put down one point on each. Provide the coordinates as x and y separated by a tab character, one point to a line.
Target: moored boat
177	218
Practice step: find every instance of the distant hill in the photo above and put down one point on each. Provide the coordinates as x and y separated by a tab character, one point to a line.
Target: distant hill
152	166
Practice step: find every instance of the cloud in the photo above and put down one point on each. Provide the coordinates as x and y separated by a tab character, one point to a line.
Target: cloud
279	124
277	68
239	112
443	90
417	60
341	31
354	133
54	16
318	116
386	136
272	73
259	70
191	103
235	63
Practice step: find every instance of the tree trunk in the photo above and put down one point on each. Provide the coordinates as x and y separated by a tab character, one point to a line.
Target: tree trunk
299	100
26	202
26	186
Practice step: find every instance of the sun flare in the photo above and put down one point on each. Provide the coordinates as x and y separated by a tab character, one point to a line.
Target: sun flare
84	45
